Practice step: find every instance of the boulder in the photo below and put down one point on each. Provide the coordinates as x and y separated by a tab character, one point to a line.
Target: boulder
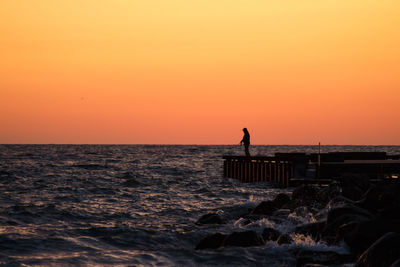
351	192
364	234
281	213
390	213
212	241
305	257
380	197
359	182
270	234
284	239
264	208
339	201
384	252
346	209
396	263
305	195
328	193
281	200
340	216
210	218
346	230
243	239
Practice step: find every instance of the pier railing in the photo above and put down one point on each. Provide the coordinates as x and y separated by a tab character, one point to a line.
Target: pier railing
258	169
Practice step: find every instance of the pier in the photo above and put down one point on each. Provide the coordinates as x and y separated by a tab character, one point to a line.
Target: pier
289	169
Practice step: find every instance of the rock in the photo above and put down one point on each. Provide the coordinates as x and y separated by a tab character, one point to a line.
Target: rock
243	239
210	218
328	193
345	230
342	215
284	239
396	263
379	197
212	241
347	209
265	208
270	234
360	182
351	192
281	200
281	213
305	257
339	201
390	213
364	234
383	253
305	195
312	229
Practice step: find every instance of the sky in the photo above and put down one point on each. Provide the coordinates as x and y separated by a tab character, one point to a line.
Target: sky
197	72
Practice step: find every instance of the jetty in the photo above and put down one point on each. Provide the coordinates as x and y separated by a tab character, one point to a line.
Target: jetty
292	169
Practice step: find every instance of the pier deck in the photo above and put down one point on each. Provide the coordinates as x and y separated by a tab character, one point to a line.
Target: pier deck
288	169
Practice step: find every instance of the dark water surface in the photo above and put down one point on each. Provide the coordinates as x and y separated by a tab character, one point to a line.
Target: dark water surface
134	205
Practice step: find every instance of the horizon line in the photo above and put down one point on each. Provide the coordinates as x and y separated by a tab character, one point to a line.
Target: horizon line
159	144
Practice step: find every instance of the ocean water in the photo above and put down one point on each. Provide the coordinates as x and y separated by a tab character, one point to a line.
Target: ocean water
136	205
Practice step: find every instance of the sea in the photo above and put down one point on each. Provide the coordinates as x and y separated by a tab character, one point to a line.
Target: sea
137	205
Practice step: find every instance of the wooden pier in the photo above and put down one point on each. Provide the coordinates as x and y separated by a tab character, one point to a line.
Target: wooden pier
258	169
289	169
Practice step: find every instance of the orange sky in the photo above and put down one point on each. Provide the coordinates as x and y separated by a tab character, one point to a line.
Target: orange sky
197	72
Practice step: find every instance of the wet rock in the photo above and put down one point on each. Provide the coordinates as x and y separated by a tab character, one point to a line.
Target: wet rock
345	230
264	208
305	195
380	197
281	200
243	239
270	234
352	193
340	216
212	241
307	257
282	213
312	229
364	234
339	201
361	182
384	252
390	213
347	209
251	218
328	193
247	222
396	263
284	239
210	218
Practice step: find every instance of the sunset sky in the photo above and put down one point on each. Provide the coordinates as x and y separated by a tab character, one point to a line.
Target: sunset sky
198	71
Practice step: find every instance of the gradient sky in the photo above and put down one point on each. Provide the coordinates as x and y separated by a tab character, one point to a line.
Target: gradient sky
197	72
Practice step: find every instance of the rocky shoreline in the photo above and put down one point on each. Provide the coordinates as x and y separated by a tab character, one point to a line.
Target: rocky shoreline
350	211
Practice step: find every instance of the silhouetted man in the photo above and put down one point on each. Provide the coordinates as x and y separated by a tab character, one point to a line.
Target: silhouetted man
246	141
